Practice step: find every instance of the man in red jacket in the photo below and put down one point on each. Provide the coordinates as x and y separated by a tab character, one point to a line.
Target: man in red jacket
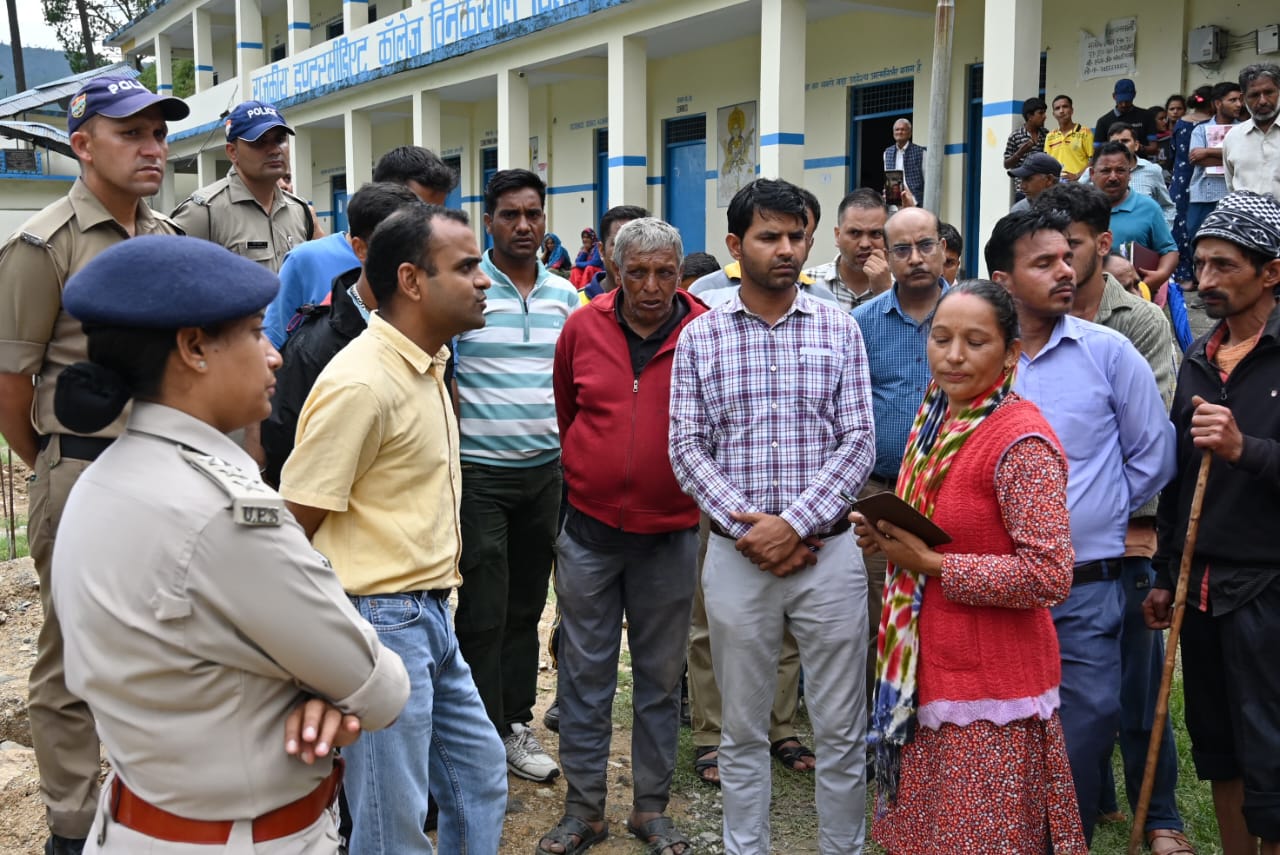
630	537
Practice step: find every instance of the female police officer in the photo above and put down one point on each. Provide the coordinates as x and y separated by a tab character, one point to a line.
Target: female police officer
198	621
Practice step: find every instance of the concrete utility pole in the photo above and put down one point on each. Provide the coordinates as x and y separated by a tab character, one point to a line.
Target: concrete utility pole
940	97
15	38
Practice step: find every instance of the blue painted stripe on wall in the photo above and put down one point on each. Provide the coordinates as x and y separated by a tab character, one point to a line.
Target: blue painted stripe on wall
324	213
711	173
364	2
249	45
826	162
202	68
571	188
467	200
655	180
629	160
955	148
164	87
28	176
299	25
782	139
1002	108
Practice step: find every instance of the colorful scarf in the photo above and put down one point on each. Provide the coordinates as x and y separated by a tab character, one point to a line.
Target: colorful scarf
936	436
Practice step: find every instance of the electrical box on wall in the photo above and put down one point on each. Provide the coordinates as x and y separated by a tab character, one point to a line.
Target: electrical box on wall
1206	44
1269	39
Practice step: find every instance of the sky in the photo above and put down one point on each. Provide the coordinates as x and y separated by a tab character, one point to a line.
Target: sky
35	32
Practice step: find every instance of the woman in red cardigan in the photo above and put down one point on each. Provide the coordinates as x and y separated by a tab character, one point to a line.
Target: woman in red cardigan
970	756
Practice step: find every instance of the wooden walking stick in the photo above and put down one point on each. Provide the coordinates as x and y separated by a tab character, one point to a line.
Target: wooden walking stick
1170	655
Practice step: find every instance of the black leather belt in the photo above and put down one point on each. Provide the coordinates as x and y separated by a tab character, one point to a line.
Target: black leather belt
439	593
76	447
839	528
1096	571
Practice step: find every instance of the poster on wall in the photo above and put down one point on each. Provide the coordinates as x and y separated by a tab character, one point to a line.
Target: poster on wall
1113	54
736	132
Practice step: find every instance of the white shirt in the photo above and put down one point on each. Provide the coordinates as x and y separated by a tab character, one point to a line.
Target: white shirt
1250	158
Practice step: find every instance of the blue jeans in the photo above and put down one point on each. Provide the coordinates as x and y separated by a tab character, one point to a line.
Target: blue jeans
442	741
1089	624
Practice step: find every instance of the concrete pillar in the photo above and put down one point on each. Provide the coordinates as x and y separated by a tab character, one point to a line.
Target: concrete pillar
164	64
426	120
628	121
1011	44
207	165
300	150
355	14
202	39
359	149
249	52
513	120
781	124
298	14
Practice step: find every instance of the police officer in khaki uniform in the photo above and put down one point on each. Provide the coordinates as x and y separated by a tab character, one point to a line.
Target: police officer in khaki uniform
118	131
247	211
197	617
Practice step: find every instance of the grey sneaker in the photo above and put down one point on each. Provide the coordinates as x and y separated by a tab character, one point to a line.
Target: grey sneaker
525	757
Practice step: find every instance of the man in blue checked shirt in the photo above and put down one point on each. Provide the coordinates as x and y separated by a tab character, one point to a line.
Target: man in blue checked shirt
770	421
1100	396
895	327
510	452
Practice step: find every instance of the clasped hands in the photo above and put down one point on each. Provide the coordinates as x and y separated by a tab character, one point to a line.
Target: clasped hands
314	727
773	545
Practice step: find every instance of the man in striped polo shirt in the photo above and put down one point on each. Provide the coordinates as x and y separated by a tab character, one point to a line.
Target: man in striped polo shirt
510	449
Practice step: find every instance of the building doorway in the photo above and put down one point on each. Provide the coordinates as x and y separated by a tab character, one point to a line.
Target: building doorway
686	179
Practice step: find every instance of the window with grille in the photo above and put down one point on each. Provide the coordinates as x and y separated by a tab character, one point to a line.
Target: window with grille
692	129
896	97
488	158
278	52
602	141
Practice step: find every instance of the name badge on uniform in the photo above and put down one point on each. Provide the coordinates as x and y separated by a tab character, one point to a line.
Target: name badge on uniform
256	244
253	503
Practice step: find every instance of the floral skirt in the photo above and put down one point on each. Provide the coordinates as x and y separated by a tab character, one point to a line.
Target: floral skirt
985	788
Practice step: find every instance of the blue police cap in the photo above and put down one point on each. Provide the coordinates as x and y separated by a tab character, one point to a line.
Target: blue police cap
167	282
119	98
252	119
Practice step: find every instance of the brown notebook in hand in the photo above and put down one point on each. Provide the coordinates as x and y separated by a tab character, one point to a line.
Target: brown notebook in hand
887	506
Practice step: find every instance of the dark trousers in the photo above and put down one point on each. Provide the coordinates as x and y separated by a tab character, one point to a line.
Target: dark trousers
508	543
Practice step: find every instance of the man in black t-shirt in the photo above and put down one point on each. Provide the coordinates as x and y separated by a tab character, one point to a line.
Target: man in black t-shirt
1125	111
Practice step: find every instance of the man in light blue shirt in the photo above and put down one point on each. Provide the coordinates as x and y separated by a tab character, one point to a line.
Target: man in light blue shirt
1208	176
1100	396
895	329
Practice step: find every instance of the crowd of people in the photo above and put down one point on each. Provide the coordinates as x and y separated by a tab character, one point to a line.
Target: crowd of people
262	469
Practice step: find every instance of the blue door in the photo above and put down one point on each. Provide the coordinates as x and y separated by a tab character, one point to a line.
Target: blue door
602	175
454	199
338	188
686	196
973	171
488	167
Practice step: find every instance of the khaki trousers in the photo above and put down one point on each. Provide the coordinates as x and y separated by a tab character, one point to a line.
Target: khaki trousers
62	729
704	695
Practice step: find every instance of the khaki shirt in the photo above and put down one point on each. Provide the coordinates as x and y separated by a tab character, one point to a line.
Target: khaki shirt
378	448
191	637
227	213
37	336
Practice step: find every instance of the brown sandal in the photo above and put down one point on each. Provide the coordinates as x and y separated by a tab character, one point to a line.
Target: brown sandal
1181	845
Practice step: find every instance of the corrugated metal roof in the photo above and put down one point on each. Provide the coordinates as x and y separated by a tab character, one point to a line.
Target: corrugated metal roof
56	90
48	136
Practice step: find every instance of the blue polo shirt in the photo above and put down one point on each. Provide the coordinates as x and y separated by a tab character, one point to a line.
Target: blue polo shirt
899	367
1139	219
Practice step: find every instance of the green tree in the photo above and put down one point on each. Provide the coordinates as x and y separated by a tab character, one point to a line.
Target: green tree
184	77
82	24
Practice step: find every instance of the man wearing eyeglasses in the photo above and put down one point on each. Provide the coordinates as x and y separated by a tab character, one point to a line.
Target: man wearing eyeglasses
895	328
1134	218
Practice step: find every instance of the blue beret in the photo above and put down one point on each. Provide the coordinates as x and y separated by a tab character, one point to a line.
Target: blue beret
167	282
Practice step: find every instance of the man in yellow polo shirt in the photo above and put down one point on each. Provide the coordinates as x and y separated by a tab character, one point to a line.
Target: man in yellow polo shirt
1072	143
375	481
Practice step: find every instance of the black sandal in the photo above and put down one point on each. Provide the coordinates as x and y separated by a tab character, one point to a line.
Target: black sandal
789	757
702	763
568	828
661	835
